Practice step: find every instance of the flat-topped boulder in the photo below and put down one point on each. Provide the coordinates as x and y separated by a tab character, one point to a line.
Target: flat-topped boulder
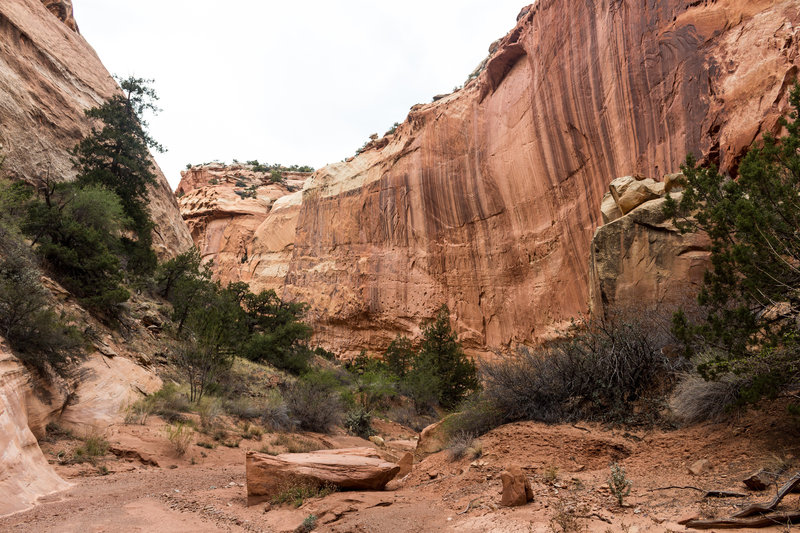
353	469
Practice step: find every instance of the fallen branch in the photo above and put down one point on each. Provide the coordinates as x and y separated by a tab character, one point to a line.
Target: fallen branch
723	494
757	508
733	523
677	487
468	506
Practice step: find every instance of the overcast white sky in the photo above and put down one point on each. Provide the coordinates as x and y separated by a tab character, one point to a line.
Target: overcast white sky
290	81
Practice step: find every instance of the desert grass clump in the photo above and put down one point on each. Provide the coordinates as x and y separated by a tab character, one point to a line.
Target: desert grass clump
170	403
464	444
294	444
698	400
94	447
296	491
251	431
180	435
275	413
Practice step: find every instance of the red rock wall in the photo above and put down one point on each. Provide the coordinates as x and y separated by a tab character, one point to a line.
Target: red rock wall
487	199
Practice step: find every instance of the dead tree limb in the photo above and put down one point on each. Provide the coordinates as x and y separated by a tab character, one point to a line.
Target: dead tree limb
734	523
757	508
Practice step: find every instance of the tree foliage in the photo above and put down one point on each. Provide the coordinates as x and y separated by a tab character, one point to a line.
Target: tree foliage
751	295
76	233
116	155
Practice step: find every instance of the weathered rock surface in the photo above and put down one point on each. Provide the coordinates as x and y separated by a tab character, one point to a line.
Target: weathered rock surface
516	487
641	259
268	475
63	10
487	199
224	207
25	474
49	75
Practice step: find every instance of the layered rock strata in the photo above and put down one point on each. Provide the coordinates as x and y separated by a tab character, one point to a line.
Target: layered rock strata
224	207
49	75
487	198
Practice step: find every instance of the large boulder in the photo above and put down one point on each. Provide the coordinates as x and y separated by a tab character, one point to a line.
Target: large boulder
642	258
638	193
356	469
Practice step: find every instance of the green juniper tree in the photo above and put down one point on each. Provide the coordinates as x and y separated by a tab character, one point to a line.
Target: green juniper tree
750	298
116	155
456	373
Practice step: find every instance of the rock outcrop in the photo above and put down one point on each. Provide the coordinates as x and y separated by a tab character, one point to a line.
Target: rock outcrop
640	259
358	469
224	206
63	10
49	75
487	198
25	474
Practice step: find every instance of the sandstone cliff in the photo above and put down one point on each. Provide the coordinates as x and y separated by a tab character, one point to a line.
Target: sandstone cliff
48	76
487	199
223	207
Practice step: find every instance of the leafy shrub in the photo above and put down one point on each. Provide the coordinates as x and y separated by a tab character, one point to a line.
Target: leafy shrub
359	423
180	435
309	524
39	337
750	297
213	181
76	233
619	483
314	408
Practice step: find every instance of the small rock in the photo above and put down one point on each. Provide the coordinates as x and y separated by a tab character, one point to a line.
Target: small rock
758	481
377	441
699	467
516	487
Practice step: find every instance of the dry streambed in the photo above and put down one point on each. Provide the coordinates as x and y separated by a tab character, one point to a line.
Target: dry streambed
567	468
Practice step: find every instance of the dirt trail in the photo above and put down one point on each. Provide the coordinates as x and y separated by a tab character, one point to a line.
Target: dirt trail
568	466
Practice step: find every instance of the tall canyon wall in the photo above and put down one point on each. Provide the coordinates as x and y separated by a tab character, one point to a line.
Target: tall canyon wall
487	198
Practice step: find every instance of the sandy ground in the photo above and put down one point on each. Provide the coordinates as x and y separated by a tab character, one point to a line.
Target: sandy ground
568	466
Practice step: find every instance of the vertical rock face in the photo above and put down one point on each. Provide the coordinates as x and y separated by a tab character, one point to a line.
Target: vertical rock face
487	199
49	75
